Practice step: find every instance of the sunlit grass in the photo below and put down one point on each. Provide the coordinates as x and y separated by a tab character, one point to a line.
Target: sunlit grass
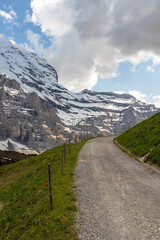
24	198
144	138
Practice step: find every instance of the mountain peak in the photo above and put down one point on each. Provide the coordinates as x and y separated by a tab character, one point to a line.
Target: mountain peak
27	68
86	91
38	112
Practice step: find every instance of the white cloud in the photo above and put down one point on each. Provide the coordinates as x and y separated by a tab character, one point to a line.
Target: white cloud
140	96
137	94
150	69
27	47
156	100
92	37
13	13
28	17
80	63
35	40
54	17
7	16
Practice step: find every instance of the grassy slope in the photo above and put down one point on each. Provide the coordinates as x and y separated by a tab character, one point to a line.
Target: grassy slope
24	200
144	138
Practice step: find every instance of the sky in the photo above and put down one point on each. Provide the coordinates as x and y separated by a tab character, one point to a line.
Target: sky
101	45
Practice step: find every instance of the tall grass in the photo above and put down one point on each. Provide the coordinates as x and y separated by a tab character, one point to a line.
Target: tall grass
24	198
144	138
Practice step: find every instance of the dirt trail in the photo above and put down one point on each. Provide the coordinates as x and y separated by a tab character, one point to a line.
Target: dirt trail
118	197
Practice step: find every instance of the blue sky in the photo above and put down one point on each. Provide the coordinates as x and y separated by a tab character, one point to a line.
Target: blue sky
17	29
103	47
141	79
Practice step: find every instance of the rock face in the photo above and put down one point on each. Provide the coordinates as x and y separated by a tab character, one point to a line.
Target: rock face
25	67
39	113
26	118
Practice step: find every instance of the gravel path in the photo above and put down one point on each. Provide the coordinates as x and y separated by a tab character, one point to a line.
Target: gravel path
118	197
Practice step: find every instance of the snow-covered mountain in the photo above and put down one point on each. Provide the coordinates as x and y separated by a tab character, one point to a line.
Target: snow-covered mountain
25	67
40	113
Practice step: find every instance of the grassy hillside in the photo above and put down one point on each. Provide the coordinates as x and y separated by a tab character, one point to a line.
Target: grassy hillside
144	138
24	198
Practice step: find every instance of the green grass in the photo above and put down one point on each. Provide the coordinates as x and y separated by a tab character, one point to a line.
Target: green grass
144	138
24	198
124	150
154	156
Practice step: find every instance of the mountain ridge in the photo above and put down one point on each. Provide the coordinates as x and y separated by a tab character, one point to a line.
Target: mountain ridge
47	113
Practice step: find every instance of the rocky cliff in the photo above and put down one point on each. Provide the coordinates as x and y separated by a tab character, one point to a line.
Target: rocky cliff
38	113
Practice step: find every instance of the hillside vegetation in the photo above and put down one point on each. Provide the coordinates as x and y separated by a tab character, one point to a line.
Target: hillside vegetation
144	138
24	198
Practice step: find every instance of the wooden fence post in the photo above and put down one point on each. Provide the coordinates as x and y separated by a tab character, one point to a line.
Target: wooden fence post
64	153
62	162
50	186
75	141
69	147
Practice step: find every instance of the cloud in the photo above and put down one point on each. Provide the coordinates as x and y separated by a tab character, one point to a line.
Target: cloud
28	17
36	43
8	17
150	69
13	13
138	95
156	100
80	63
54	17
91	38
136	26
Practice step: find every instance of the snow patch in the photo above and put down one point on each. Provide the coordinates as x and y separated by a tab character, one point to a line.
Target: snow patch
11	91
5	145
10	145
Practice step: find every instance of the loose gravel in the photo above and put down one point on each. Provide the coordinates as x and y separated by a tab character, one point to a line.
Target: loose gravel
118	198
